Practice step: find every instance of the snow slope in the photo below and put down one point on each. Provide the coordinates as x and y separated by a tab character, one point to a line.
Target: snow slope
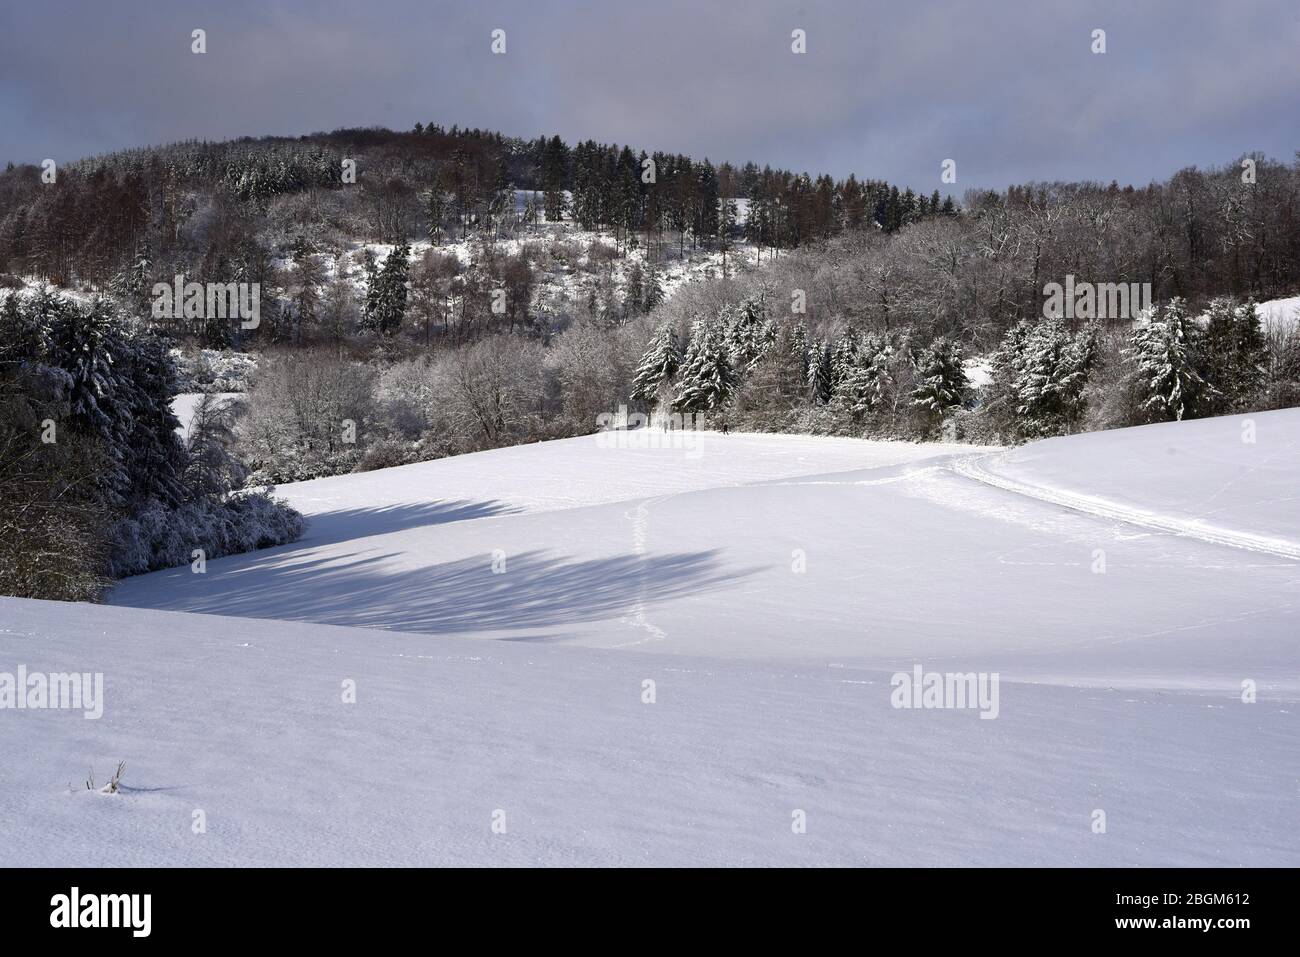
1278	315
902	553
770	586
244	721
1245	470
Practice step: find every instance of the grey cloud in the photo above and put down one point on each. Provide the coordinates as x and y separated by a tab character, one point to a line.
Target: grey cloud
1009	90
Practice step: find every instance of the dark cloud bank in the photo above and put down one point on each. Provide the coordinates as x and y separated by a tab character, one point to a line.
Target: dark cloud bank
1010	90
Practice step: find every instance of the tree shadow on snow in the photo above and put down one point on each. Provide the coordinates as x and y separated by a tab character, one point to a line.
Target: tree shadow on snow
325	528
536	590
345	524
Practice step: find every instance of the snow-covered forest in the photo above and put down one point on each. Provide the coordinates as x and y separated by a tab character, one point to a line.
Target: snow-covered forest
442	291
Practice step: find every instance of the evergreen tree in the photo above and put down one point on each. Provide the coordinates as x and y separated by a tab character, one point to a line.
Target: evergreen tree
435	212
658	365
845	356
1234	356
1051	372
1039	376
706	202
386	298
749	332
371	303
780	376
1164	354
653	290
707	376
820	372
211	469
726	226
800	349
942	377
627	194
154	457
869	385
634	293
87	348
116	387
1000	398
131	285
555	173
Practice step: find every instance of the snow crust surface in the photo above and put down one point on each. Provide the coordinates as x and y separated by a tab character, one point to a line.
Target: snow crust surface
501	613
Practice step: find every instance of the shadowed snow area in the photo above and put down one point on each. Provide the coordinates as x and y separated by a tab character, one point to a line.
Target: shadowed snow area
798	547
1123	585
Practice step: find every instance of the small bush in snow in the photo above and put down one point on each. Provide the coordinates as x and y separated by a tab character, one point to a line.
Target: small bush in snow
114	783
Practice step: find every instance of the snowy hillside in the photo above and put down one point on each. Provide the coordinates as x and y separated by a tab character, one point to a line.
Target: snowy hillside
770	587
1242	465
1278	315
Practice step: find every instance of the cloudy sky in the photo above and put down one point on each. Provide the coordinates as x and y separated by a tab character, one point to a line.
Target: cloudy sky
1010	89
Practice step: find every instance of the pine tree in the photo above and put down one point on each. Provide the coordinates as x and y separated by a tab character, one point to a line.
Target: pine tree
1234	356
726	225
371	303
555	171
749	332
117	388
845	356
801	349
1039	376
131	284
386	297
1000	398
653	290
706	210
658	365
634	293
211	470
780	377
869	386
707	377
435	212
820	374
1164	354
942	377
154	457
1051	372
87	347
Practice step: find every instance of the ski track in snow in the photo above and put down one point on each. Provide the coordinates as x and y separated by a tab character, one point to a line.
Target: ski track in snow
972	467
637	618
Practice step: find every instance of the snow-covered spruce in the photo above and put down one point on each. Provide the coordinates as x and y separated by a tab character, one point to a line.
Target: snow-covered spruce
100	478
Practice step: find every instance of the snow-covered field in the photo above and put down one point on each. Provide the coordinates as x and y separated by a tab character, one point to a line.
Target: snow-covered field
1278	315
769	587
